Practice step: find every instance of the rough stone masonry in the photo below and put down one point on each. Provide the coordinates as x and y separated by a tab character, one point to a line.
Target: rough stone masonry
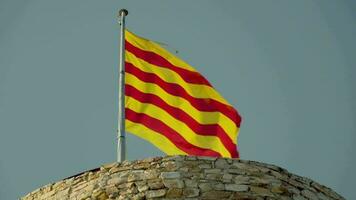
185	177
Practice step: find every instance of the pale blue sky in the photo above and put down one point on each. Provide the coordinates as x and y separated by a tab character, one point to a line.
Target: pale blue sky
287	66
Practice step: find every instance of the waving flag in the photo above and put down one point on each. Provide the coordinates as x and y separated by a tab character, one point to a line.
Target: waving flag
171	105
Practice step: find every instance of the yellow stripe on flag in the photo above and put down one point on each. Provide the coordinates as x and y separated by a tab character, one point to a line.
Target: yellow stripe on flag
207	142
148	45
155	138
195	90
202	117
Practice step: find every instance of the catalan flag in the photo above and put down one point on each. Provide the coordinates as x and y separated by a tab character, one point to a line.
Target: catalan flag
170	104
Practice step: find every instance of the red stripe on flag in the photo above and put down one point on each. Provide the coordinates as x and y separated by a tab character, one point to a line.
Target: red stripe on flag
209	105
200	129
160	127
158	60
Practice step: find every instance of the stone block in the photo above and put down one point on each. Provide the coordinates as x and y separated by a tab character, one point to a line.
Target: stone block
173	183
174	193
191	183
261	191
221	164
240	179
155	184
168	175
309	194
216	195
298	197
136	175
212	171
205	187
151	174
155	193
236	188
191	192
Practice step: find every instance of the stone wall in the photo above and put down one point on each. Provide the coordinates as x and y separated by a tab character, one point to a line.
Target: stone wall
183	177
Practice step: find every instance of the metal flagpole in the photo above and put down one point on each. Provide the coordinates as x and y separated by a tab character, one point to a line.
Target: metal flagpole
121	145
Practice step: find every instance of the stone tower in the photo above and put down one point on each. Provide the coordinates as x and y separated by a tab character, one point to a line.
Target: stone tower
185	177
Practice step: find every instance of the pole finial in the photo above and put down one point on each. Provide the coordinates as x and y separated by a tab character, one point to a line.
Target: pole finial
123	12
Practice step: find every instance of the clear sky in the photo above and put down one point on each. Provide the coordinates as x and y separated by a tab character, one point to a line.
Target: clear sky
287	66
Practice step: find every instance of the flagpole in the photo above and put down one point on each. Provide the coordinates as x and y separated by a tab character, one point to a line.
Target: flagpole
121	143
